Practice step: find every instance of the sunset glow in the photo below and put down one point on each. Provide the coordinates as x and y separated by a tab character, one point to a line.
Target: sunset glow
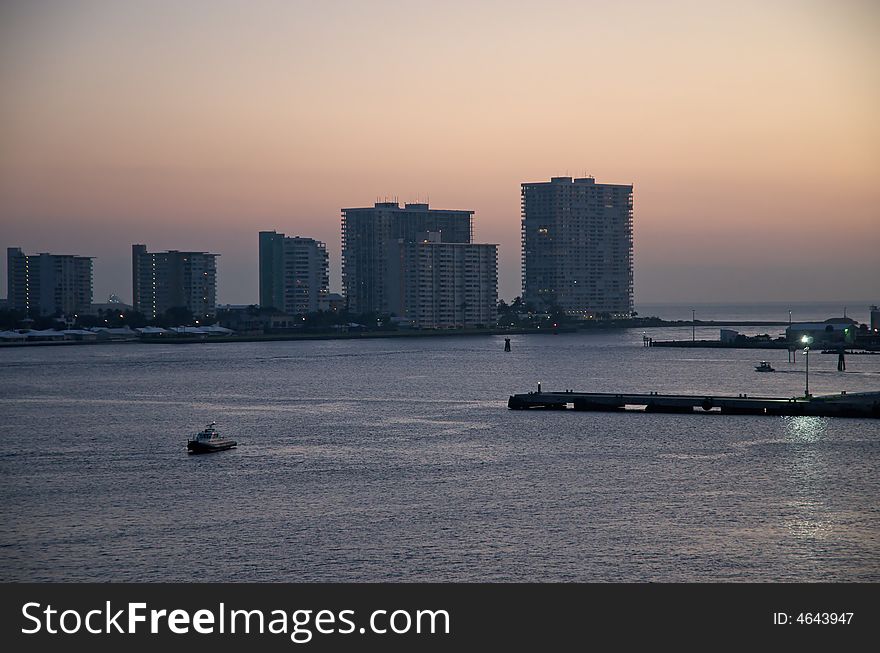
748	129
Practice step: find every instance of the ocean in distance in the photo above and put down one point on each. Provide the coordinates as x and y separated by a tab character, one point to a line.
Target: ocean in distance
397	460
858	309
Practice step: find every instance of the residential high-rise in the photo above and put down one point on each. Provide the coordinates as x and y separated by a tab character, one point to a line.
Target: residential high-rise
294	275
577	246
17	281
173	279
371	235
439	285
48	284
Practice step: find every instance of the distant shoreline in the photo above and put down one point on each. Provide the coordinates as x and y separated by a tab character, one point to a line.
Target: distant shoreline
610	325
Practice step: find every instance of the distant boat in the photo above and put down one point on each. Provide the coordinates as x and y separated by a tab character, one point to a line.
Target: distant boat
209	441
764	366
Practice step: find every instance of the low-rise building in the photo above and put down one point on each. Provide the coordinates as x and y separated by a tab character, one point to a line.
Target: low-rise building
835	330
115	333
112	305
333	302
728	335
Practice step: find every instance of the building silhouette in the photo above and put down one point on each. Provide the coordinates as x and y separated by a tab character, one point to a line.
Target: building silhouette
372	236
577	246
439	285
48	284
294	276
173	279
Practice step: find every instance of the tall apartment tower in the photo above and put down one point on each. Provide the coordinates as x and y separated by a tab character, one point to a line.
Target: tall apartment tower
370	236
294	273
439	285
577	240
173	279
48	284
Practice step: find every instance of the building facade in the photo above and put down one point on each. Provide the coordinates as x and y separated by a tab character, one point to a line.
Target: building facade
48	284
371	236
834	330
577	246
294	273
173	279
439	285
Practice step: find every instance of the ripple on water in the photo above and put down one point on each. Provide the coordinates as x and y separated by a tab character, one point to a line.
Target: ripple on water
361	461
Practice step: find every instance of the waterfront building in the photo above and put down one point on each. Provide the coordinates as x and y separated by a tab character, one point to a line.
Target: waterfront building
173	279
294	273
577	246
370	236
112	305
835	330
438	285
48	284
333	302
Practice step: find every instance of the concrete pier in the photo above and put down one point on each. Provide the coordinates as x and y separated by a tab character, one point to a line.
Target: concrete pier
862	404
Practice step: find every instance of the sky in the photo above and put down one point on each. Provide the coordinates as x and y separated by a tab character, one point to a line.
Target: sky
749	130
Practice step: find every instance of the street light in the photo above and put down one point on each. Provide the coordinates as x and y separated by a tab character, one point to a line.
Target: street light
693	325
807	340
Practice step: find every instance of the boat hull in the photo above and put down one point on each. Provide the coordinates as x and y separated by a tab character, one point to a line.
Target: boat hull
210	447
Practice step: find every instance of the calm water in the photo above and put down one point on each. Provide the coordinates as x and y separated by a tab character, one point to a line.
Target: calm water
858	309
397	460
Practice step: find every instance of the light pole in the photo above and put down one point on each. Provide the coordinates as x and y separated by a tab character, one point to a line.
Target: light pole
807	340
693	325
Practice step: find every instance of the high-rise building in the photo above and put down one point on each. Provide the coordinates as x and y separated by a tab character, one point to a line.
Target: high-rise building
294	274
173	279
577	246
439	285
48	284
371	235
17	282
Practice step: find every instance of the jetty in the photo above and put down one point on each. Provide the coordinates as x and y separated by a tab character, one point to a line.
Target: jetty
861	404
720	344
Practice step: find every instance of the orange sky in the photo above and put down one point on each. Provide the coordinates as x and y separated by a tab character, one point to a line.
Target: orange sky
749	129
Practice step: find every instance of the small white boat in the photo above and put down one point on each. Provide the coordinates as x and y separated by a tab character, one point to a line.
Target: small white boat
764	366
209	441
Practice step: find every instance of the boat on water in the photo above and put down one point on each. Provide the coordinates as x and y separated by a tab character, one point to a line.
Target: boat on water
209	441
764	366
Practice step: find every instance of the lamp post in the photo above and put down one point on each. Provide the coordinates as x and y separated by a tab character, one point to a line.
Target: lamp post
807	340
693	325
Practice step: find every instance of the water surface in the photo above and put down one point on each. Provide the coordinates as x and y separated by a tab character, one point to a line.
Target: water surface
397	460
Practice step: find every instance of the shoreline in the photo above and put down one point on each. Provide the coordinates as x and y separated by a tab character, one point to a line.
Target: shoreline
610	325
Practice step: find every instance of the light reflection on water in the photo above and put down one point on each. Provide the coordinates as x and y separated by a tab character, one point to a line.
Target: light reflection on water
368	462
811	520
806	428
